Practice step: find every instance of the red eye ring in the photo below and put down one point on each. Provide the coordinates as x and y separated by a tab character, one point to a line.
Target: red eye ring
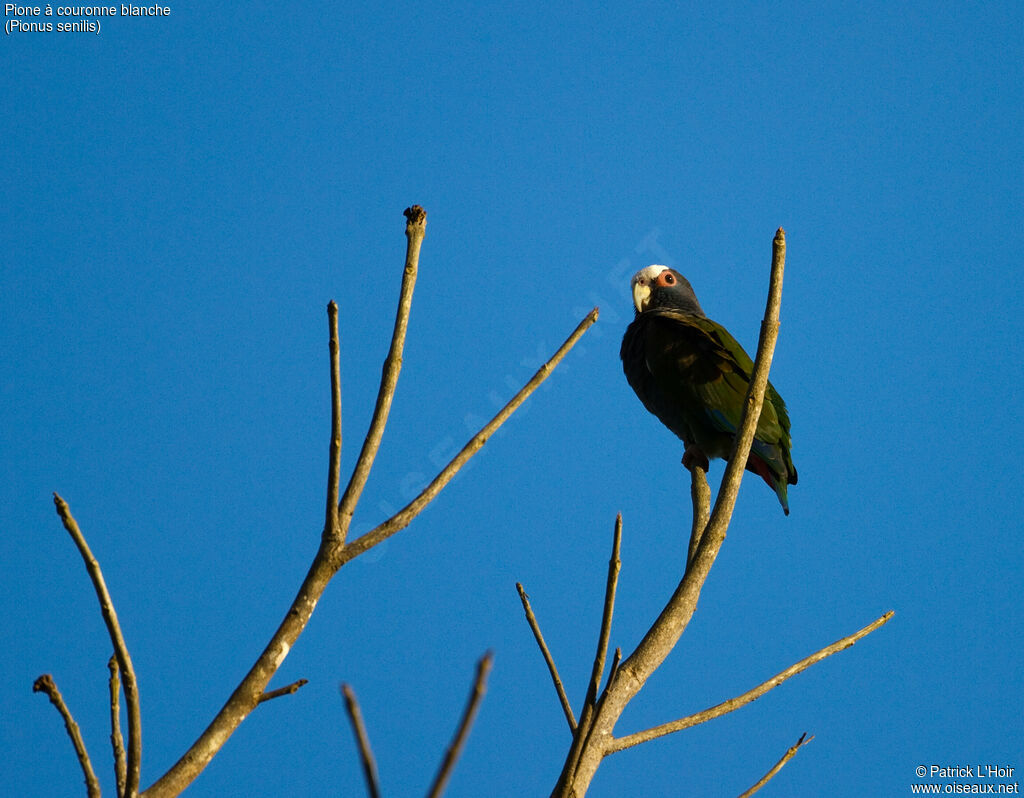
668	278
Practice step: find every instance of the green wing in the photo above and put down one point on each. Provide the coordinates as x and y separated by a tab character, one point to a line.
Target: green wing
699	375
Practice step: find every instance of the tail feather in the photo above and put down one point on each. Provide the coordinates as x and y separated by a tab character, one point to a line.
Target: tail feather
776	482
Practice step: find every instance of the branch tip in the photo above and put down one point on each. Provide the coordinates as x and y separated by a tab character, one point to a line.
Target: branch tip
124	660
531	619
415	216
403	517
288	689
45	684
790	753
476	694
355	715
414	232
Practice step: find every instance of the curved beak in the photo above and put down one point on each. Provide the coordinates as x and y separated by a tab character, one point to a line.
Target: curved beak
641	295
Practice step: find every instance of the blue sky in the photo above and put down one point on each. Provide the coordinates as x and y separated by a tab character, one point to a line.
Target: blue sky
183	197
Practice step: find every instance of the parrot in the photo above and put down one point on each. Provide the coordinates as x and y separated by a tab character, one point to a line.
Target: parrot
693	375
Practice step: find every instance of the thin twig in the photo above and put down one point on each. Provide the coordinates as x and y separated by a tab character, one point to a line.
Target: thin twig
614	564
559	688
124	660
45	684
804	739
666	630
415	229
116	740
401	519
355	715
582	736
329	558
288	689
616	659
483	667
700	493
661	638
331	528
732	704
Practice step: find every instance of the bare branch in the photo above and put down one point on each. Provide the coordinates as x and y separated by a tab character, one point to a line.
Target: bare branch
615	665
483	668
532	620
665	632
700	492
402	518
355	715
332	555
730	487
671	623
331	527
415	230
804	739
124	661
732	704
614	564
45	684
327	560
288	689
581	738
116	740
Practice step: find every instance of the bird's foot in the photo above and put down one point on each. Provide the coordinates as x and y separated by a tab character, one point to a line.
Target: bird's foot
695	457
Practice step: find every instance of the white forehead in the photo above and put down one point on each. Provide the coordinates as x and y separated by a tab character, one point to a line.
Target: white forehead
648	274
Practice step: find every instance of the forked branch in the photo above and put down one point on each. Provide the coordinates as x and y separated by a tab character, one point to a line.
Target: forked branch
415	230
667	629
334	552
124	661
401	519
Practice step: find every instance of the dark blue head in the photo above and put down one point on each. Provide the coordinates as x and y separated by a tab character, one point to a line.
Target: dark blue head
662	287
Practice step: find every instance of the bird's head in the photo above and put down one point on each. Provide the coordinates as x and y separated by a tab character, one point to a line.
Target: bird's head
662	287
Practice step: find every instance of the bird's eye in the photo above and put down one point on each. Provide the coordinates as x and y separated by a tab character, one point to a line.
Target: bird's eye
670	279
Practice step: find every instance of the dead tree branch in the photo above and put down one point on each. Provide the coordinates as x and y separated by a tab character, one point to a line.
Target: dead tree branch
332	529
45	684
614	566
415	230
333	552
401	519
483	668
674	618
116	740
700	493
355	715
582	735
288	689
124	661
559	688
804	739
621	743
